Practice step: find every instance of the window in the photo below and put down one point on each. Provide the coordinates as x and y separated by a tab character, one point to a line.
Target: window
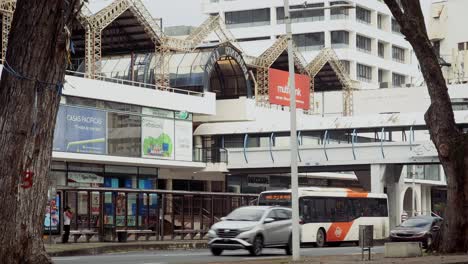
380	21
424	172
338	12
370	207
363	15
395	26
364	73
398	80
257	17
309	41
300	15
340	39
461	46
398	54
363	43
124	135
381	48
283	215
337	209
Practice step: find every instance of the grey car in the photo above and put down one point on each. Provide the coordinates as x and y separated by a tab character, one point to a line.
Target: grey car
252	228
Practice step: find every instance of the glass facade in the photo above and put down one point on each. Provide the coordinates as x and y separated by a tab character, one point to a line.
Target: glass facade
340	39
363	43
364	72
398	80
97	127
423	172
398	54
300	15
248	18
339	12
309	41
363	15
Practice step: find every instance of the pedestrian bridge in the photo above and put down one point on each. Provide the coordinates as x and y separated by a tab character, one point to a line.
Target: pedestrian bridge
398	138
334	155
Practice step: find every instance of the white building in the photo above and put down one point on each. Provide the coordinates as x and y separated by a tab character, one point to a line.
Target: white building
450	37
366	38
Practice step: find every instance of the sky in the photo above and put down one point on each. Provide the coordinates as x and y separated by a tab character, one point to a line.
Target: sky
186	12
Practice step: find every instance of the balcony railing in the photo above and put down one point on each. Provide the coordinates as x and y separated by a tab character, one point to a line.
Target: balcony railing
210	155
134	83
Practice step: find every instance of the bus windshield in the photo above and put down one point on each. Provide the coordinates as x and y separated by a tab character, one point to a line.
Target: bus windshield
281	199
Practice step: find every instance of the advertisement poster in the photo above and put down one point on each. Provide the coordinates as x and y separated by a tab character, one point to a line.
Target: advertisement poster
157	138
278	89
120	209
52	217
80	130
183	140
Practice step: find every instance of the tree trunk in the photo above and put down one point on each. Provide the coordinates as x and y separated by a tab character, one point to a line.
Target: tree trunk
28	108
451	143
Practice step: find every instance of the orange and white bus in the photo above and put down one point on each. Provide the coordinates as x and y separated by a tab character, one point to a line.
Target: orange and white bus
334	214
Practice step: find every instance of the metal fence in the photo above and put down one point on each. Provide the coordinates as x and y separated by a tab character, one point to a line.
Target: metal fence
167	214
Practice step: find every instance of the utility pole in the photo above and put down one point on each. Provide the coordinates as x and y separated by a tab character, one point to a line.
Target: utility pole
293	137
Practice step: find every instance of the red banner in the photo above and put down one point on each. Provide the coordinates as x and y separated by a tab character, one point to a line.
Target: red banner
278	89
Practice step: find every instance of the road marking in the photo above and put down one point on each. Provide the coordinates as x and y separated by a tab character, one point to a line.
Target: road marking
66	258
260	258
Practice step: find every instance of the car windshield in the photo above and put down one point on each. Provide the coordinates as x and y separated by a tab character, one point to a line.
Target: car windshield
416	222
246	214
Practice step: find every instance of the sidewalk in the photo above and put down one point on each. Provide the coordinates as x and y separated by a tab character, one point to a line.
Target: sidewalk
82	248
376	259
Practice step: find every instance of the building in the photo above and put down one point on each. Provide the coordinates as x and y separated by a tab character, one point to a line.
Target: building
450	40
141	118
366	38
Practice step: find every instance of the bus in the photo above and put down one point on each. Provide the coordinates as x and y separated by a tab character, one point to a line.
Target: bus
333	215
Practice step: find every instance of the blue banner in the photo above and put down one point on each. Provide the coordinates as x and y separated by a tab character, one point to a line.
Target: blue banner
80	130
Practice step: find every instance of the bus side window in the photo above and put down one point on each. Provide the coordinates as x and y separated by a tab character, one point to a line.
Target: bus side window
320	213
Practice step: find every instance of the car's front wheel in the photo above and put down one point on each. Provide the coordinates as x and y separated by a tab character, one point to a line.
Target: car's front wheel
216	251
289	246
257	246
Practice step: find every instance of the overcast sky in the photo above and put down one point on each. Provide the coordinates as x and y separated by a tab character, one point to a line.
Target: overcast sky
187	12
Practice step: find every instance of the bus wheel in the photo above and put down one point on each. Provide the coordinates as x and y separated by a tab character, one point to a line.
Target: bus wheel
321	238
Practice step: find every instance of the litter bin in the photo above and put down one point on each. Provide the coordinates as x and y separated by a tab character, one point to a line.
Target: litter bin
366	239
107	235
122	235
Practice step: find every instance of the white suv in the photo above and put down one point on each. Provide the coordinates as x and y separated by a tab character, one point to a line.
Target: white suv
252	228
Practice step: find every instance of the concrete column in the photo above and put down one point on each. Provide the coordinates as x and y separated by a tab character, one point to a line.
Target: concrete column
327	11
327	39
377	180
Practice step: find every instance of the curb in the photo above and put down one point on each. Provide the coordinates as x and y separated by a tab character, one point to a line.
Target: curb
127	247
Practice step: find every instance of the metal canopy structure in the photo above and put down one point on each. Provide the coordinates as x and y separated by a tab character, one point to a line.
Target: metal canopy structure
327	71
7	7
125	27
277	53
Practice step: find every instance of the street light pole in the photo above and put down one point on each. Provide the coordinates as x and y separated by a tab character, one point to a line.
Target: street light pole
293	137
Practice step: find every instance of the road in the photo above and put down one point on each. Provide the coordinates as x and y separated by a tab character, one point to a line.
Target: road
200	256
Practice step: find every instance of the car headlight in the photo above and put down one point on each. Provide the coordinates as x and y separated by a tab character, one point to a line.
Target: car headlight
212	233
421	233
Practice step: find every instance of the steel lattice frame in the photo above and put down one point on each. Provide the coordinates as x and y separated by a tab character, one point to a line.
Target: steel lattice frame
264	62
212	24
7	7
329	55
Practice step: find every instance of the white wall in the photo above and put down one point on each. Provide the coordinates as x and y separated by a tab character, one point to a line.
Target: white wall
108	91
